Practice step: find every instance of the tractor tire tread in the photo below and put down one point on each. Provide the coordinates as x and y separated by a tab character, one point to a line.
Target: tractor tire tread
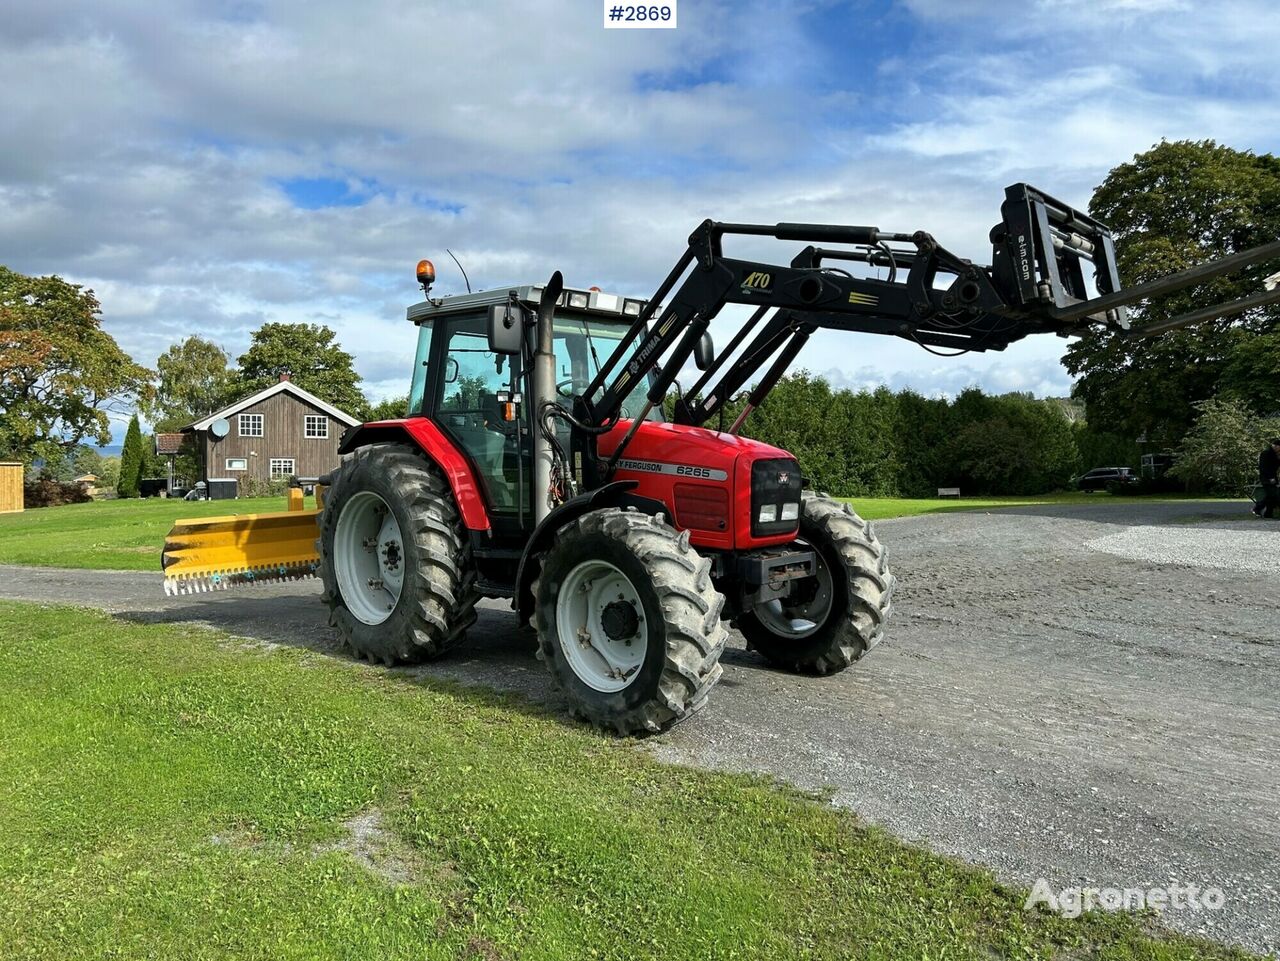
443	605
869	587
695	635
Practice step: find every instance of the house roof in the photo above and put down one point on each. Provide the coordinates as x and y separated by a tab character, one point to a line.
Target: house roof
284	386
169	443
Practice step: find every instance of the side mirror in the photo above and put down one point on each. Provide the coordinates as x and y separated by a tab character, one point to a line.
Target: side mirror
450	370
506	328
704	352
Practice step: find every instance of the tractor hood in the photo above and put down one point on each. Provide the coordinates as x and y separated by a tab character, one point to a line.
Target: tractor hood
696	442
707	477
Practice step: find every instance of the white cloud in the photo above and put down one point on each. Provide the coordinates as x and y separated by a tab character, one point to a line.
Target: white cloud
147	144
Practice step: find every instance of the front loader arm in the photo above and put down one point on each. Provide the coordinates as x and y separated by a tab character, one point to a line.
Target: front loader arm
1053	270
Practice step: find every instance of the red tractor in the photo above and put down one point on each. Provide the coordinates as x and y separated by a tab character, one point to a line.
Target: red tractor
538	463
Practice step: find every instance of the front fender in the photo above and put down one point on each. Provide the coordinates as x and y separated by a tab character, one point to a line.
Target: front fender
616	494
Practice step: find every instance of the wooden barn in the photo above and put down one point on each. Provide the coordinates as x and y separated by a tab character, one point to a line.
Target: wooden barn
277	433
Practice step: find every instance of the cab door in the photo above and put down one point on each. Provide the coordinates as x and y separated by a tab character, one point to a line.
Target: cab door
467	408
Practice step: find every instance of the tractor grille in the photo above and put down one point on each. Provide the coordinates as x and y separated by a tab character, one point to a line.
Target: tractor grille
775	484
702	506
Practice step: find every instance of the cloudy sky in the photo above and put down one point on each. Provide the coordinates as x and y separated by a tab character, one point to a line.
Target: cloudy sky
208	166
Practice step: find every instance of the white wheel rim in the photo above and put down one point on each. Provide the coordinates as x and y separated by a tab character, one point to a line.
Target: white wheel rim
603	643
788	619
368	558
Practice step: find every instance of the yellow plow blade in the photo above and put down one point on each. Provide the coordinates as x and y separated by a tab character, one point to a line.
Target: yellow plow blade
213	553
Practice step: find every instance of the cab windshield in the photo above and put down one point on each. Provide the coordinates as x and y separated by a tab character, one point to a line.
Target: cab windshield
582	345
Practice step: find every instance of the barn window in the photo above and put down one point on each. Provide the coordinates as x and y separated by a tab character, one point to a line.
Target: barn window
237	463
250	425
317	425
281	467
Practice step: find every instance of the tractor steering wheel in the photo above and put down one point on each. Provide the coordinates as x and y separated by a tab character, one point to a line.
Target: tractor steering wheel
560	388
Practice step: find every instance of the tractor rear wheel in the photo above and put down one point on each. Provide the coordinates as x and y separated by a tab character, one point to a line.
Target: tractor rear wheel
628	621
394	560
830	620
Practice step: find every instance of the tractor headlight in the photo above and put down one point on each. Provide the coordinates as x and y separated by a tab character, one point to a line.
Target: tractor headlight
775	496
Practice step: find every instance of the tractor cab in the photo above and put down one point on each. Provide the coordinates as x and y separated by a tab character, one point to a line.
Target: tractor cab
475	394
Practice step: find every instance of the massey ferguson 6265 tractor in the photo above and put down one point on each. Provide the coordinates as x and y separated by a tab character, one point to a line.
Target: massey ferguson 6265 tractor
537	464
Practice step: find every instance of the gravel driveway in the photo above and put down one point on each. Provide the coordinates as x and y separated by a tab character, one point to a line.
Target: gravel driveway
1088	694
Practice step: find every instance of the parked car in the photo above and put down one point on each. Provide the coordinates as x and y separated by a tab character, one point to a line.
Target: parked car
1100	478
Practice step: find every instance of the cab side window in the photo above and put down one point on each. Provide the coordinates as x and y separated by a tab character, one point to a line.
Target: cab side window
471	380
469	409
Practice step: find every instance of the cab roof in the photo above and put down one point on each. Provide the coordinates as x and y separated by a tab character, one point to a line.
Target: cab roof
585	301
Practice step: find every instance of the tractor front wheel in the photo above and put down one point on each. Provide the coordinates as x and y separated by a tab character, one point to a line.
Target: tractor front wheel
394	560
832	619
628	621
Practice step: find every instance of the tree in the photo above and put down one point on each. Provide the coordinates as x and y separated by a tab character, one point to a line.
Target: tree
1098	448
109	473
390	409
87	461
1220	453
153	464
1251	374
131	460
1013	444
60	372
922	434
1177	205
798	416
193	379
846	442
309	355
868	425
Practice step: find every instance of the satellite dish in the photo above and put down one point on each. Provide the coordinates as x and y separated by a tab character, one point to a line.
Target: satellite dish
220	428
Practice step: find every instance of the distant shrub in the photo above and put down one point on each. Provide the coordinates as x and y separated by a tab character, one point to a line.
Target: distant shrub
47	492
1219	455
257	487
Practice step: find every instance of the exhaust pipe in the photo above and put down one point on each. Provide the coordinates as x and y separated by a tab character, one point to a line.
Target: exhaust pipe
543	383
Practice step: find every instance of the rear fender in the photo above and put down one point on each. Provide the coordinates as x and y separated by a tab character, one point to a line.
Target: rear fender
616	494
430	439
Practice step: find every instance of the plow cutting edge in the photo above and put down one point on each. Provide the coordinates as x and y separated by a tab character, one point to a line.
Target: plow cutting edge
215	553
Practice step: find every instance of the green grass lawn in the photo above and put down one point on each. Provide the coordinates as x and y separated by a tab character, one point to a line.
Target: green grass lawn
877	508
123	535
171	792
128	534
